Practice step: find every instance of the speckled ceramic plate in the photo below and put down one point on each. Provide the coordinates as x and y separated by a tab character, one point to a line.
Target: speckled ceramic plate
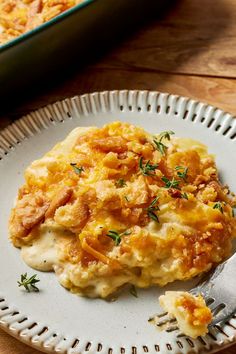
54	320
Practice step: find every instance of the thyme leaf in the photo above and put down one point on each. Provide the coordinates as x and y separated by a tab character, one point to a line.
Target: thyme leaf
160	147
120	183
159	144
170	183
78	169
219	206
152	208
182	172
116	236
148	168
166	135
28	283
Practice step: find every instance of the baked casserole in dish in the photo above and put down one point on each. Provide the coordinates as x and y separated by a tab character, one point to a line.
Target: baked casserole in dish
37	48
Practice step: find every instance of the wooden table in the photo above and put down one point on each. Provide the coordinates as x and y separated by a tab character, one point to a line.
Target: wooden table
191	51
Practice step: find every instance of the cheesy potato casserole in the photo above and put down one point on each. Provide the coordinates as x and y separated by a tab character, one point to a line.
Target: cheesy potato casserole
191	312
20	16
116	205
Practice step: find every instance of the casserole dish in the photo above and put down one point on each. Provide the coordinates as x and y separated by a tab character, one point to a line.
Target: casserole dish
71	39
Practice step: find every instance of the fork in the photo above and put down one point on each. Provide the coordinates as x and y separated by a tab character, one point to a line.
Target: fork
218	288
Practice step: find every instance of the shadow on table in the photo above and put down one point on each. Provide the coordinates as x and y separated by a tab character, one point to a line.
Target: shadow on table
45	62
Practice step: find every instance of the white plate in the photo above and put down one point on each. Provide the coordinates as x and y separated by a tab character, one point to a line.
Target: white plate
54	320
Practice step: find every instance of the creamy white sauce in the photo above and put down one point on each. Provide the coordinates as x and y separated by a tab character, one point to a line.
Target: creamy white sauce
43	253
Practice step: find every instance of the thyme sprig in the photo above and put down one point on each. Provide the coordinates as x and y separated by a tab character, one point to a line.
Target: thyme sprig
116	236
148	168
173	183
78	169
166	135
182	172
159	144
152	208
28	283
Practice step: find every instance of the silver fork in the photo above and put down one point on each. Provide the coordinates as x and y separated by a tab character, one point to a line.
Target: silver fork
218	288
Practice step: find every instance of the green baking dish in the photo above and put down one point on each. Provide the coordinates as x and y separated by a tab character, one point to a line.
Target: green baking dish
73	38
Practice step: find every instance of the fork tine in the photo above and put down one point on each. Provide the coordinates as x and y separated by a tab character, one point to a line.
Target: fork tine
172	329
164	321
221	311
216	309
209	301
162	314
168	320
221	317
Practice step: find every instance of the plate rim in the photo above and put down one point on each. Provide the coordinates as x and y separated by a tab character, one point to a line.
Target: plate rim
86	104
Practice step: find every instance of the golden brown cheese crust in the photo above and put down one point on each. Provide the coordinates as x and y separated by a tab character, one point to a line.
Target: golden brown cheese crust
97	181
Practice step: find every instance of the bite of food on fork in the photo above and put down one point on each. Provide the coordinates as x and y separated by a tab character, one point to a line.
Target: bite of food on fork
210	302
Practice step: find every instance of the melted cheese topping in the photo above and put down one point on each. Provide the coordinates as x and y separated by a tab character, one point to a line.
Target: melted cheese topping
108	206
191	312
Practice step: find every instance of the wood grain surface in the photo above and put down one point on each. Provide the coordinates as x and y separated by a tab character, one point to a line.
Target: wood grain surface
190	51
